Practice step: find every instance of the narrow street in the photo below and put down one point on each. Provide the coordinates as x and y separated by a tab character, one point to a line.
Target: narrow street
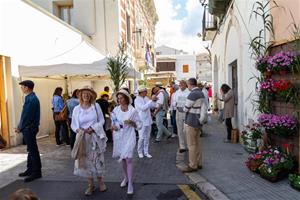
156	178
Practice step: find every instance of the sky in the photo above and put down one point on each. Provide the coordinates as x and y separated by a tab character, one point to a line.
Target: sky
178	25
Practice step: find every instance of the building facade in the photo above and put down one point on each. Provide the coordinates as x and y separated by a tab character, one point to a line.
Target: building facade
182	64
111	22
230	25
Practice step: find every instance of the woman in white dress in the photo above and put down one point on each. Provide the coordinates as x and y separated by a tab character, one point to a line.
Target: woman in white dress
125	120
90	144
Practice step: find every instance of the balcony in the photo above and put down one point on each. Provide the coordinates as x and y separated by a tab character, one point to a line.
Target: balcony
218	7
209	25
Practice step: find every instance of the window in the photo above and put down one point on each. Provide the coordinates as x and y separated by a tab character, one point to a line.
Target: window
165	66
185	68
65	12
128	29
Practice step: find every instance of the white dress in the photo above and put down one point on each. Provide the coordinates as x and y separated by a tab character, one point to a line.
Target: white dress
124	139
95	143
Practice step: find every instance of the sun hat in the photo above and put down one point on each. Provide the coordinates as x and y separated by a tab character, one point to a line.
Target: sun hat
122	91
88	88
142	88
158	84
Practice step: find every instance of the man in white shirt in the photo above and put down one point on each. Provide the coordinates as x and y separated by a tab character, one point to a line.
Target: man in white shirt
143	105
160	112
179	99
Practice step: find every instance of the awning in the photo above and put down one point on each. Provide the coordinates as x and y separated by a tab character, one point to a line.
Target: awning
43	45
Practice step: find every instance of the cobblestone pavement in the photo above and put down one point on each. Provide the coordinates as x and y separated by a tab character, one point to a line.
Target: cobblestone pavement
157	178
223	166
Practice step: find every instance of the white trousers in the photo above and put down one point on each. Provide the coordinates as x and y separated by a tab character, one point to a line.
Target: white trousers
180	117
144	137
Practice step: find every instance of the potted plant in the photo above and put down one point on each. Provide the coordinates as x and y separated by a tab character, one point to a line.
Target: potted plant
255	160
262	65
252	137
282	125
282	62
276	165
294	180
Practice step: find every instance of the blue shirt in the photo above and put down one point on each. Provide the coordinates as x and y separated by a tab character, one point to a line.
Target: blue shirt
72	103
57	103
30	117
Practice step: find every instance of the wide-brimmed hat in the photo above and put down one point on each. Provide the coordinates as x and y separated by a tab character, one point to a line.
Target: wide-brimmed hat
158	84
88	88
142	88
122	92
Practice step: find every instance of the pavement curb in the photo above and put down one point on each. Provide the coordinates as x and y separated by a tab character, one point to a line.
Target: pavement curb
202	184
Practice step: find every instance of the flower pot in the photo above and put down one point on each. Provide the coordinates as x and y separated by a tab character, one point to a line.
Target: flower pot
253	165
283	72
267	74
281	175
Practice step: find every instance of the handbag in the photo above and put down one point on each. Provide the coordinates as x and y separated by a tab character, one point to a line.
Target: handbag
62	115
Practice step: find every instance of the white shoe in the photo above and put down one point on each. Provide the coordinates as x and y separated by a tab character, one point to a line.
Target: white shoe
130	190
123	183
148	155
174	135
141	155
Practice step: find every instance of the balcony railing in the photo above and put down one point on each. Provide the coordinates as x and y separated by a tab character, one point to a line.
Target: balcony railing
209	21
218	7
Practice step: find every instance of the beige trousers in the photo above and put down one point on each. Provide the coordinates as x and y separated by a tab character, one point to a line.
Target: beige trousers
180	116
194	146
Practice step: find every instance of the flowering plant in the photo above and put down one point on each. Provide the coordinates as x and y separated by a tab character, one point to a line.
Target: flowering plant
283	125
275	162
282	61
252	137
262	64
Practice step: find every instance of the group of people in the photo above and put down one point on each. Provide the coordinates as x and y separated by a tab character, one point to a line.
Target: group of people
91	119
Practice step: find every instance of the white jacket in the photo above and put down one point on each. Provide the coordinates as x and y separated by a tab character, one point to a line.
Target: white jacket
143	106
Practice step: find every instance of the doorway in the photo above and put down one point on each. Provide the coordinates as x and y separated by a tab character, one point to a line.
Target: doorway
234	75
4	131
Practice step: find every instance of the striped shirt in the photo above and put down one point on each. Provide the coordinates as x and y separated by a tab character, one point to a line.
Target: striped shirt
194	108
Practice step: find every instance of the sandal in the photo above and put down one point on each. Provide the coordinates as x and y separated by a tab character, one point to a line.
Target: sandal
90	190
102	187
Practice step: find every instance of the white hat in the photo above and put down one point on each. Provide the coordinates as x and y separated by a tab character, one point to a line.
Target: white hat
122	92
142	88
159	84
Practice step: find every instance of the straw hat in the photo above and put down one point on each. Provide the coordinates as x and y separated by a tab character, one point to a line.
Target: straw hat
142	88
158	84
122	91
88	88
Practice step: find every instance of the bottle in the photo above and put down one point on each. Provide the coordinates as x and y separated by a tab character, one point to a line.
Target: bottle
115	121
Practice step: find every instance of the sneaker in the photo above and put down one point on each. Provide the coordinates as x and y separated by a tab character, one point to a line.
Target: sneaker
188	169
156	141
148	155
130	190
141	155
174	135
123	183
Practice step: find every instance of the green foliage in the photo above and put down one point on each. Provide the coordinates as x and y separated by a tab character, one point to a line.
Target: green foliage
118	67
295	180
259	44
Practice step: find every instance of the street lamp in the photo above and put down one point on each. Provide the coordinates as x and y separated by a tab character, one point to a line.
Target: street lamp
203	3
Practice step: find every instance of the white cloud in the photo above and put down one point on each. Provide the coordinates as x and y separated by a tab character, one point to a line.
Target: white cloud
179	33
178	7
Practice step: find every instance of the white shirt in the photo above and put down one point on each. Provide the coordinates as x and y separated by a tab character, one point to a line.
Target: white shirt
179	98
143	105
160	98
205	92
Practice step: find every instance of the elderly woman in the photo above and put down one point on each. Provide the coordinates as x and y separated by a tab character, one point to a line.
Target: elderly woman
125	120
90	145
